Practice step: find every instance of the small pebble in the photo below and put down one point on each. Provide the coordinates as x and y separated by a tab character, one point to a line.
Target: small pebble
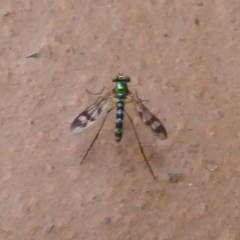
175	177
106	220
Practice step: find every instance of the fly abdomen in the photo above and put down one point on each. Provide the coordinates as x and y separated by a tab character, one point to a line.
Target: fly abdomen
119	121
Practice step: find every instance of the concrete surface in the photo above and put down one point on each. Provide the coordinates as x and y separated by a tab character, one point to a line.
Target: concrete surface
181	55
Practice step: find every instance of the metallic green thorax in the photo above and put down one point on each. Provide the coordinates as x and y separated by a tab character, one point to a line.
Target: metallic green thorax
121	88
121	91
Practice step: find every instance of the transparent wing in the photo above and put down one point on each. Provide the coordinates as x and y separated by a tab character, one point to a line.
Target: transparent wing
91	114
149	119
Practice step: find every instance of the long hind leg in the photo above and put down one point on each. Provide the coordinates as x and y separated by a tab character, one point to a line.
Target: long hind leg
140	146
95	138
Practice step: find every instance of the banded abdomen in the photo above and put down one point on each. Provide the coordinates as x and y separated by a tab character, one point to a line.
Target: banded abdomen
119	120
121	91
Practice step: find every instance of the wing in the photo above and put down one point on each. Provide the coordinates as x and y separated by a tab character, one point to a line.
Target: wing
90	115
149	119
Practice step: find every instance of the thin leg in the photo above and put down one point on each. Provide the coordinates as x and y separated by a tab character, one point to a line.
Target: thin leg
99	93
97	134
136	95
140	146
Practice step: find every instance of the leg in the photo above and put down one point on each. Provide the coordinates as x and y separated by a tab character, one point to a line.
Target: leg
135	94
97	134
140	146
97	93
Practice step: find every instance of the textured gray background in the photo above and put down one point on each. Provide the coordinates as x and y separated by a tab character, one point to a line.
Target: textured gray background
181	55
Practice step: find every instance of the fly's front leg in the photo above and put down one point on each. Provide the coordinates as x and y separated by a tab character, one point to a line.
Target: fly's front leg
136	98
99	93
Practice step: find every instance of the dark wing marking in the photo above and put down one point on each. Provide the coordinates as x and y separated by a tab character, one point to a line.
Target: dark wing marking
149	119
90	115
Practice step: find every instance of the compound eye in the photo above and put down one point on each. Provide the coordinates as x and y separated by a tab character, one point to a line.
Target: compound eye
126	78
115	79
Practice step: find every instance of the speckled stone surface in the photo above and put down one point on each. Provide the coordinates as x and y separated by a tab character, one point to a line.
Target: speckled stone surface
181	55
